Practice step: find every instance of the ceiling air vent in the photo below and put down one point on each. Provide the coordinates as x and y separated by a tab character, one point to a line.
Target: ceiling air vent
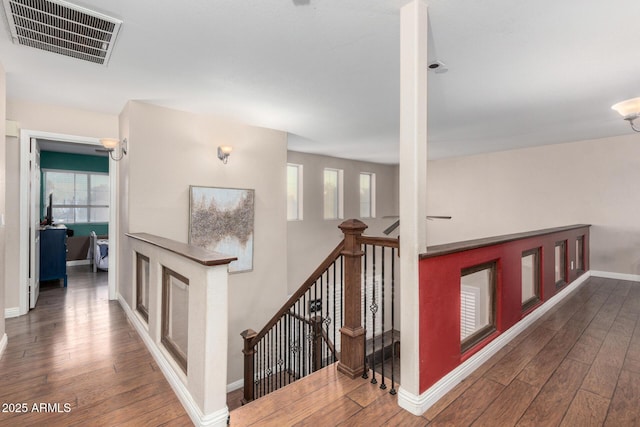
60	27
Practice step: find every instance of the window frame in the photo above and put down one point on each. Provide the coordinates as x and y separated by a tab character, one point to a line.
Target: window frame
46	191
372	194
481	334
299	192
562	246
537	277
339	199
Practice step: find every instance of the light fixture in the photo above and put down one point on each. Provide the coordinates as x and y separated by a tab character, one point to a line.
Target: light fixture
629	110
112	144
223	153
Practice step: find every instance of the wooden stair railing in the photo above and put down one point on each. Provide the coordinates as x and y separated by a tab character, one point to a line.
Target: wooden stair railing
321	322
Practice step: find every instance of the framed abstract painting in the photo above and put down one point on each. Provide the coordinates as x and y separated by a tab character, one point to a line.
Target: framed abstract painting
221	220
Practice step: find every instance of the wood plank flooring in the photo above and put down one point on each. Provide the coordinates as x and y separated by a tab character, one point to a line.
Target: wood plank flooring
579	365
77	353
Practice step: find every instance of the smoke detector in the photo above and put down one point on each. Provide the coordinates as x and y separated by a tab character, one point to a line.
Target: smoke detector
63	28
438	67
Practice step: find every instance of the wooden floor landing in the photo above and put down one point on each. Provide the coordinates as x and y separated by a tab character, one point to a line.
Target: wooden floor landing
579	366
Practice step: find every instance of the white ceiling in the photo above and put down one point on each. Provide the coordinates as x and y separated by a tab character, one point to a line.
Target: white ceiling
521	73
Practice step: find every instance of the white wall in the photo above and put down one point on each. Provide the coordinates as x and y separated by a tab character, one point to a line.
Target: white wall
170	150
592	182
309	241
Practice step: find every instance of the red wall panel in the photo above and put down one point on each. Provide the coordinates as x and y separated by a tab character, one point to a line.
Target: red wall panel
440	351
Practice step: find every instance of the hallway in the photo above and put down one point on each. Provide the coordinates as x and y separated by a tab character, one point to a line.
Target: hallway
578	365
77	352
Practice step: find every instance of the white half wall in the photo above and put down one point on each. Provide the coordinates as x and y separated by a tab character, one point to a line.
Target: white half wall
170	150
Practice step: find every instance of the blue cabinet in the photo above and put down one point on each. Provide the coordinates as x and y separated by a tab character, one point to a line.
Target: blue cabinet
53	254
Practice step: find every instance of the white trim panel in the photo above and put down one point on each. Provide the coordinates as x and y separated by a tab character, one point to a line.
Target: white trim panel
418	404
616	276
11	312
75	262
3	343
236	385
218	418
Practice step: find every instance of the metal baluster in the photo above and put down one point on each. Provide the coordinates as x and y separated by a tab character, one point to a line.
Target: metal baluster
374	309
383	385
365	374
327	319
335	301
262	366
393	329
255	364
341	290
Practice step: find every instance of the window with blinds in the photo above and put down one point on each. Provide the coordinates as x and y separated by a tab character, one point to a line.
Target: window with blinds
477	304
78	197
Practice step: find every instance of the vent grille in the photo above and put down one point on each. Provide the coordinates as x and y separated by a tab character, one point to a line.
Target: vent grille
63	28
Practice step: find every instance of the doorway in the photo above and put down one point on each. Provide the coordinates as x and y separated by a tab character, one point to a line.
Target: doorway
28	280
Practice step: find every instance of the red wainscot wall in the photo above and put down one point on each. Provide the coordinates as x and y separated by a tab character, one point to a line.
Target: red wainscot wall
440	272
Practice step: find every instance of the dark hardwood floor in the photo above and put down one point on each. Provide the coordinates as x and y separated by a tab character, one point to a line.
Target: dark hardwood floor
76	360
579	365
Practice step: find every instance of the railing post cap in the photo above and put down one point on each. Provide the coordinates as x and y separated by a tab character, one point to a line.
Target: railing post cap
353	225
248	334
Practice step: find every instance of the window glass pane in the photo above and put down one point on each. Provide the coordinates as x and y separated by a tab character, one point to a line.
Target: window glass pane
330	194
64	215
560	263
99	215
99	190
580	253
82	215
62	184
365	195
530	278
293	192
477	308
81	194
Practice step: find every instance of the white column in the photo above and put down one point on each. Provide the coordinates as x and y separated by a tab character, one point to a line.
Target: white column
413	180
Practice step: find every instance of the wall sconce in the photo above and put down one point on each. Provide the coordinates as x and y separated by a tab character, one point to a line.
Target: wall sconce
223	152
112	144
629	110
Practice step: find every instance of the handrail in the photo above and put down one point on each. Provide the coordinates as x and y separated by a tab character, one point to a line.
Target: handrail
322	321
300	292
389	242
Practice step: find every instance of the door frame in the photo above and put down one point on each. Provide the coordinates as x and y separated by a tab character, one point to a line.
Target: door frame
25	137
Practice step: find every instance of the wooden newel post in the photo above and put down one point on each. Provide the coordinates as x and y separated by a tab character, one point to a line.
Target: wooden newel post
249	373
352	353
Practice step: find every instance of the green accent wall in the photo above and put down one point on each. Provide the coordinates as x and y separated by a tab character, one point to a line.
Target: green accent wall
73	162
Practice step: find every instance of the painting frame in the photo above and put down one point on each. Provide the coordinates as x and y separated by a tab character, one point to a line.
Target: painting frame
222	219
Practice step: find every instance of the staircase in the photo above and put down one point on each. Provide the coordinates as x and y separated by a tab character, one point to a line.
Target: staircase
344	312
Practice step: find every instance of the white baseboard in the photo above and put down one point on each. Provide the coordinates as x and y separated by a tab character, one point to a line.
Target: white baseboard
78	262
235	385
11	312
418	404
215	419
616	276
3	343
